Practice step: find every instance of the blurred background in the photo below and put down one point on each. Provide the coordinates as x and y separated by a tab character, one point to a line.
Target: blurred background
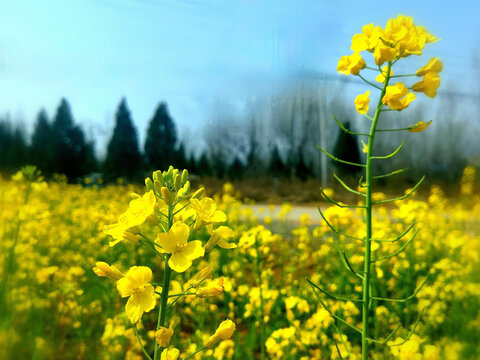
233	91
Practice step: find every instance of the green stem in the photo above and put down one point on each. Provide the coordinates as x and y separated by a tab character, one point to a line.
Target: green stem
368	223
140	342
165	287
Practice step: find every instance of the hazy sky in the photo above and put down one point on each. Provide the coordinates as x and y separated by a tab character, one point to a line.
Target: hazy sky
191	53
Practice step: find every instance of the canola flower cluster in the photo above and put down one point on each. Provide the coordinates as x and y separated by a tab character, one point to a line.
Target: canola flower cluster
400	38
55	300
163	220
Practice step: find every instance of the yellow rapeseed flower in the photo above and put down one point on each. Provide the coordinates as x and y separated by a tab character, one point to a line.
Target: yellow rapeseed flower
218	237
175	242
137	213
215	288
163	335
141	294
207	212
351	64
434	65
420	126
397	96
170	354
224	332
428	85
362	101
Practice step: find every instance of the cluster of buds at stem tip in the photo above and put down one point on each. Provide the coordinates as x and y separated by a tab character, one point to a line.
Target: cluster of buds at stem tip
171	185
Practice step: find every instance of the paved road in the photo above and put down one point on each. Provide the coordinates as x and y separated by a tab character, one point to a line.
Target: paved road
262	210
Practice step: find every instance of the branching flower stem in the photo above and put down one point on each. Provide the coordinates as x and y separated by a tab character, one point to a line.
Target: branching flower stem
368	219
165	287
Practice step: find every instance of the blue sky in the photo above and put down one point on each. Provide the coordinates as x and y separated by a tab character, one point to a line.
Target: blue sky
191	53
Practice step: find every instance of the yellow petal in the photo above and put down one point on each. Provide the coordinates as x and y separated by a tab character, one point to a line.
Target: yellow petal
167	241
140	302
226	245
170	354
181	231
219	216
179	263
420	126
193	250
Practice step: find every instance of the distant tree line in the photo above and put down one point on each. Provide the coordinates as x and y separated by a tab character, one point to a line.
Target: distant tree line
275	136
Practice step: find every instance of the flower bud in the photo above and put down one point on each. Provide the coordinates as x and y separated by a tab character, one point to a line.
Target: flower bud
177	184
157	175
167	196
149	184
199	193
158	186
201	276
224	331
184	176
184	190
214	289
103	269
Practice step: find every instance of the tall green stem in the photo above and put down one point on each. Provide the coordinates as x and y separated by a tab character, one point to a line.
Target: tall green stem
368	222
167	273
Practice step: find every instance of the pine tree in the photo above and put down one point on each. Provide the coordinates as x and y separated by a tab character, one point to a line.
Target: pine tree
40	147
180	158
13	147
236	169
123	154
277	167
203	166
161	139
68	143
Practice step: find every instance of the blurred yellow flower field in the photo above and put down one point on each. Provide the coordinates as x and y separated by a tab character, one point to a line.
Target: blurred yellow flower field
54	306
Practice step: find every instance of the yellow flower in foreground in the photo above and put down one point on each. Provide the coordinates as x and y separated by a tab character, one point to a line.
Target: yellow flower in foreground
207	212
103	269
351	64
170	354
163	335
137	213
397	97
362	101
136	285
218	237
175	242
420	126
213	289
434	65
381	77
224	332
429	84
